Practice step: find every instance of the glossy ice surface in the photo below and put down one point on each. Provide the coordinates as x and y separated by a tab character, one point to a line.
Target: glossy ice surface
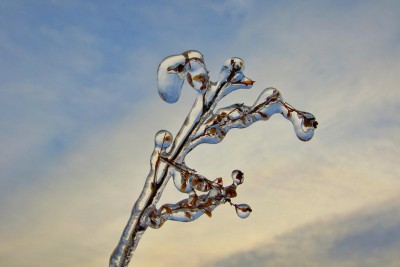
202	125
243	210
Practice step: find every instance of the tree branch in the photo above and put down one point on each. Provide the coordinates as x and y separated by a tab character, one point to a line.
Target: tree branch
201	126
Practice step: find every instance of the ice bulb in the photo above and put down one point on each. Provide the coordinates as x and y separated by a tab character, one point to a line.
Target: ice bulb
243	210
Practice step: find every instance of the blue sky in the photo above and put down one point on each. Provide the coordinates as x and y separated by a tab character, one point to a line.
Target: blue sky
79	108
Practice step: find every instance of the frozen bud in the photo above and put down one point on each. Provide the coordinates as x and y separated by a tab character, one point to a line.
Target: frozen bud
170	76
237	177
197	76
268	96
173	70
167	209
192	199
163	139
230	191
234	64
304	125
243	210
200	82
230	68
153	219
187	215
219	181
309	121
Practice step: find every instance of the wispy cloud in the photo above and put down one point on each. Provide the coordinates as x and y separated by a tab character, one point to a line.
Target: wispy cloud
79	109
369	237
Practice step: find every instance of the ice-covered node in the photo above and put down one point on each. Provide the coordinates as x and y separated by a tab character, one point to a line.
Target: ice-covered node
231	77
268	96
163	139
234	63
230	191
243	210
197	76
230	68
237	177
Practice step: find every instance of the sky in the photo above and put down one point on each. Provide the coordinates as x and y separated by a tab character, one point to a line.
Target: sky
79	109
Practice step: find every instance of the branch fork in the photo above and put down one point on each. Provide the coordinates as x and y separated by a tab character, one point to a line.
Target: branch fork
202	125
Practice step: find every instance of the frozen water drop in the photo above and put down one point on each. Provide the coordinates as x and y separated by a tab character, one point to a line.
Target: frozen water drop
170	76
267	96
243	210
237	177
304	126
230	67
163	139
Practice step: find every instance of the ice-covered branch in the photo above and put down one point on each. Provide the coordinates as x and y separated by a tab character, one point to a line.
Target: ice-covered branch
194	206
269	102
202	125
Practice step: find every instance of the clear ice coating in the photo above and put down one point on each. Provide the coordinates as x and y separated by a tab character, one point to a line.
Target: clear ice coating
173	70
170	78
237	177
202	125
163	139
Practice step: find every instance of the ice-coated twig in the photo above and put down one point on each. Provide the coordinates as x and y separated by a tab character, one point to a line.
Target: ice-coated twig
202	125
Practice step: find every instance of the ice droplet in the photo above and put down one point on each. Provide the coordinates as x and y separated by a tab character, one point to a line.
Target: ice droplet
243	210
173	70
163	139
268	96
170	76
237	177
304	126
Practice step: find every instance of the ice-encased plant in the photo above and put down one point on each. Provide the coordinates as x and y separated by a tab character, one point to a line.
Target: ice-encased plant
202	125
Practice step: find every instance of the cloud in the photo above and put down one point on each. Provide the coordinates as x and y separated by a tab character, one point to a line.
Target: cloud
81	105
369	237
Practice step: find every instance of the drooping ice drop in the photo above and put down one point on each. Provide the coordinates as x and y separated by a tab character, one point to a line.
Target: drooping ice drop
163	139
237	177
170	76
243	210
173	70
